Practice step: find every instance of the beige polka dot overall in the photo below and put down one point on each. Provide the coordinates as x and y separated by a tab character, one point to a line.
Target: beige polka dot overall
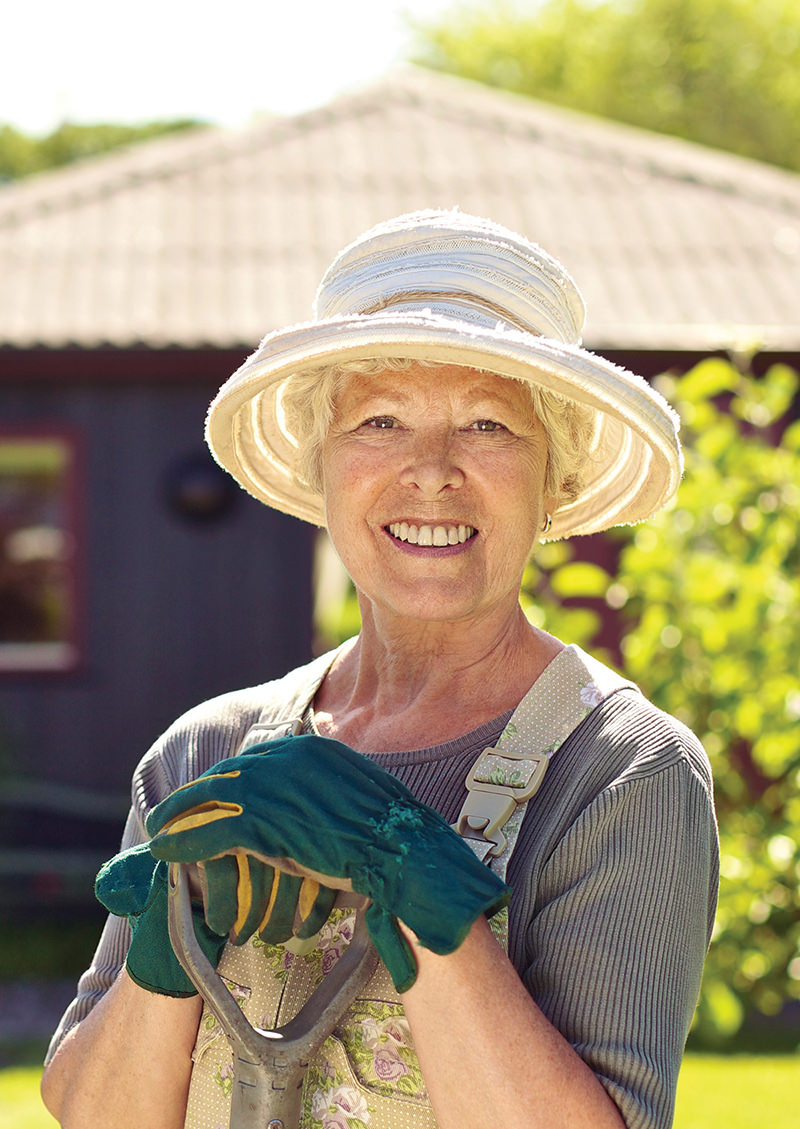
366	1074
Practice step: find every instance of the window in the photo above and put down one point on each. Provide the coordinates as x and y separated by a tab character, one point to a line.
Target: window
38	544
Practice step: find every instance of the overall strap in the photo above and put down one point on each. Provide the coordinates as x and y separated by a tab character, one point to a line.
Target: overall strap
282	713
505	776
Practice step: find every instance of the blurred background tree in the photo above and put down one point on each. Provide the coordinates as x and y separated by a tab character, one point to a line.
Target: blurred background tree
725	73
708	599
22	154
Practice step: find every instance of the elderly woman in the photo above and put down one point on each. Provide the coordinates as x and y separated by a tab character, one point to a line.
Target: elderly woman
439	418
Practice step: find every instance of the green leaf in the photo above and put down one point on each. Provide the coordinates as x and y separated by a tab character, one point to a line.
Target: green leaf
725	1008
707	379
580	578
791	436
763	400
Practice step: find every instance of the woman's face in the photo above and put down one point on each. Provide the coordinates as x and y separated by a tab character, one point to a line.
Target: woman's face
433	482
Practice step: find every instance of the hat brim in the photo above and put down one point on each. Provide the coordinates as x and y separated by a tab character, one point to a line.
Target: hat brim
632	469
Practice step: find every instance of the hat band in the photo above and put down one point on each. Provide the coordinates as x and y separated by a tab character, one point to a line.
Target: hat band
423	299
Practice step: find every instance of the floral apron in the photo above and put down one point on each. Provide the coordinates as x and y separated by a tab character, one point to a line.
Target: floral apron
366	1074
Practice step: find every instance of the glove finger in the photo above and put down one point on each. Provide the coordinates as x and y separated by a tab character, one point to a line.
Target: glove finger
277	924
201	834
217	793
393	949
314	907
220	893
255	883
124	883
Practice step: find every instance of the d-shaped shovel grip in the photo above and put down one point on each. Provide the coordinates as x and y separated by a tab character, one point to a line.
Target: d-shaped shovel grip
269	1065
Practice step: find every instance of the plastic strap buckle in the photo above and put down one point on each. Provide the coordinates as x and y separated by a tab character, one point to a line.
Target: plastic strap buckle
264	731
498	781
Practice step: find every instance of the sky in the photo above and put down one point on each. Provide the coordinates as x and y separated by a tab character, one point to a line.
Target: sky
226	62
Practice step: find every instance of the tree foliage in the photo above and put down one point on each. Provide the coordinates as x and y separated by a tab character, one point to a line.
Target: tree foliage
22	154
708	593
725	73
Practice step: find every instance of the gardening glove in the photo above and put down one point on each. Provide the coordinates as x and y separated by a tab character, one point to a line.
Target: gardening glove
243	896
134	885
313	806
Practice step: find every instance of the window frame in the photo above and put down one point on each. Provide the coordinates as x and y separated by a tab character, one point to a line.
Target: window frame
67	655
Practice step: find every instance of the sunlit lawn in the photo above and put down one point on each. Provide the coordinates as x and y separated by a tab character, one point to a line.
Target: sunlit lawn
715	1092
20	1104
739	1092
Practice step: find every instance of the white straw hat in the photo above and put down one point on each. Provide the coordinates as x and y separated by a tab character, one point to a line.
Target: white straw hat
445	286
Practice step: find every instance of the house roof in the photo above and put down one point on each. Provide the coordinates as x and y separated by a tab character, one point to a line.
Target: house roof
214	237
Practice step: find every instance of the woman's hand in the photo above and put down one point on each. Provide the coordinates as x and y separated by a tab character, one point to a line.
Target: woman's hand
134	885
310	805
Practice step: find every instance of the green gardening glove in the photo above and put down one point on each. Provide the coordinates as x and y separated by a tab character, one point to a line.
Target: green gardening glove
134	885
311	805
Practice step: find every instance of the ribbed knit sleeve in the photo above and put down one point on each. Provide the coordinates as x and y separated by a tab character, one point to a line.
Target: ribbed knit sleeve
617	959
615	914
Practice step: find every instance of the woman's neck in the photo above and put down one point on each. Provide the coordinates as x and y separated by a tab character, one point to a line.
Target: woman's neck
411	685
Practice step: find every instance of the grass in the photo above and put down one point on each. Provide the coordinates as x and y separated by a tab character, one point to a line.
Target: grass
20	1104
739	1092
714	1092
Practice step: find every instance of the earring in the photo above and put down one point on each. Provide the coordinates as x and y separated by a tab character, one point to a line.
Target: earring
548	521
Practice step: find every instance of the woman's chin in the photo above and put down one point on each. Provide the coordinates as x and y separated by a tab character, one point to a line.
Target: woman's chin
432	602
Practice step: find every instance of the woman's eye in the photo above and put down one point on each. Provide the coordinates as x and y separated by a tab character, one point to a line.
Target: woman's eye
380	423
487	425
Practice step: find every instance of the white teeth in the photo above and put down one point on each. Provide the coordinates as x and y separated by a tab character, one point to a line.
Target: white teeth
435	535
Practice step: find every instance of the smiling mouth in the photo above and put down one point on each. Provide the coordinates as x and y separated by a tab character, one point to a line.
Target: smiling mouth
435	535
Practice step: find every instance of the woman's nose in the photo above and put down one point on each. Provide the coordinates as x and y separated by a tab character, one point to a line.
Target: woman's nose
431	465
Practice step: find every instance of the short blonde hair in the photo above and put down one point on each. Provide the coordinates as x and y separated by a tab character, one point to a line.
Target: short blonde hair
308	403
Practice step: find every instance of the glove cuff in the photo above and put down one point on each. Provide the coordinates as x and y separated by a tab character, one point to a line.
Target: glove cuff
392	947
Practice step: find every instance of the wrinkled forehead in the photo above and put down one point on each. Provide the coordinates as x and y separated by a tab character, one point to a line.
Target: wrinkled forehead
420	387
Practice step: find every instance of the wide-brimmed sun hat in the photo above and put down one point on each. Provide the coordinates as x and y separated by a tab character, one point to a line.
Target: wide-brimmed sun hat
445	286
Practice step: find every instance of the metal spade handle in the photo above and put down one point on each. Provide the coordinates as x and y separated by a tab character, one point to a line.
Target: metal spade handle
269	1066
